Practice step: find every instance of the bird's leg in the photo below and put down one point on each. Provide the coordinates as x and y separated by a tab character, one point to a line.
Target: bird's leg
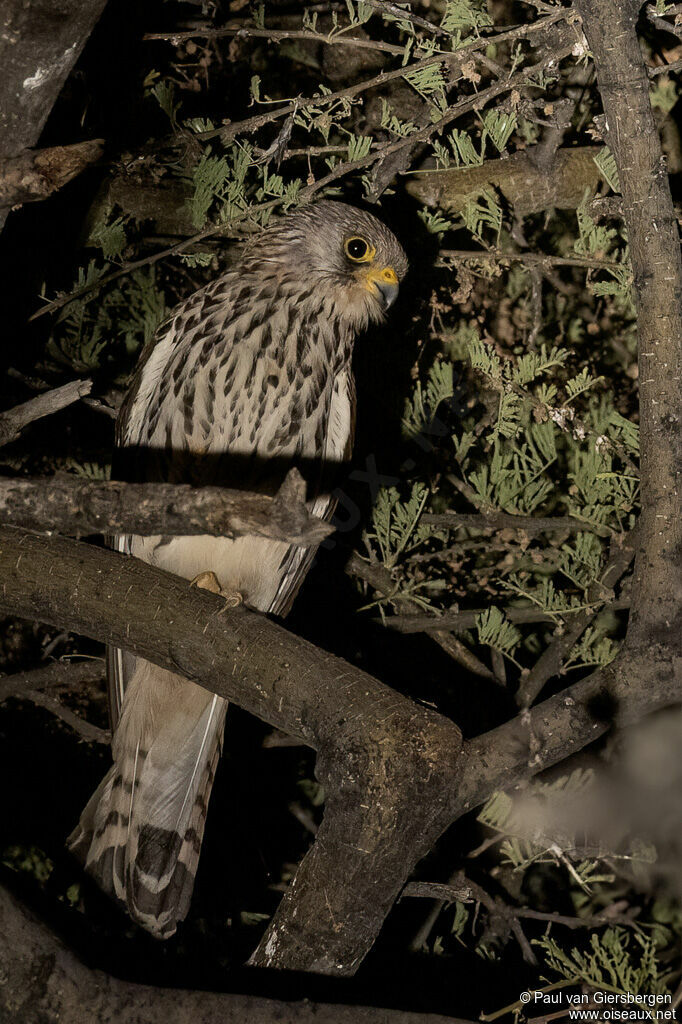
208	580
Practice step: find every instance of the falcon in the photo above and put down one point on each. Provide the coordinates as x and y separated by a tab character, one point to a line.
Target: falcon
250	376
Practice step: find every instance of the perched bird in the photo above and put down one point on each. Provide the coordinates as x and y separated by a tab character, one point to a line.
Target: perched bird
250	376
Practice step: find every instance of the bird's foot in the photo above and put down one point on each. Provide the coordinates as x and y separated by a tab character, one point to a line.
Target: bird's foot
209	581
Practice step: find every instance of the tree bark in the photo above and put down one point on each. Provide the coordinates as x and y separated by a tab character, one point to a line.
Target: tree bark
610	28
39	44
393	771
36	173
14	421
42	982
81	508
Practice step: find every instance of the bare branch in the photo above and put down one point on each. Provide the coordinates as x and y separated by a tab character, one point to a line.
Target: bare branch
15	420
36	174
504	521
38	48
81	508
542	260
57	673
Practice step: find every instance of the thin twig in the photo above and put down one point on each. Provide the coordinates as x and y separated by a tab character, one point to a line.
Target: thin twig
276	36
539	259
550	662
460	622
663	69
462	889
404	14
379	577
58	673
90	733
505	521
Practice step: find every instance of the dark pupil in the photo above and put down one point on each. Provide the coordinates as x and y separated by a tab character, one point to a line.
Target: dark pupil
357	248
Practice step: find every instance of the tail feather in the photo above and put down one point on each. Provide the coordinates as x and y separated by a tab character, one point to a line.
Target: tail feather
140	834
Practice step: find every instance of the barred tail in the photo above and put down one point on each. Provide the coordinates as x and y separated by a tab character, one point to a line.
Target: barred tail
140	834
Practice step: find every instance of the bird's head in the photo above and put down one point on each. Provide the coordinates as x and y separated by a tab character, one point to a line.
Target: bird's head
343	254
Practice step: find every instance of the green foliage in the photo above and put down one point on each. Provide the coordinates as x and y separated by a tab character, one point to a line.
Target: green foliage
393	124
664	93
463	15
606	163
221	178
421	409
426	80
88	334
495	631
164	93
395	523
110	237
28	860
464	150
617	961
483	213
499	126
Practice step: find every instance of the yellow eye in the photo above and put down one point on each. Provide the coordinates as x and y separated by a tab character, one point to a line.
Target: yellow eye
358	250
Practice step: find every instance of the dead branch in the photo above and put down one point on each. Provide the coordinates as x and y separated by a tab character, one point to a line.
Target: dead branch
527	186
15	420
39	45
36	174
81	508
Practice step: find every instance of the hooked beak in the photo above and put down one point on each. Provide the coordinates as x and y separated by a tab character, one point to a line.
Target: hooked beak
384	284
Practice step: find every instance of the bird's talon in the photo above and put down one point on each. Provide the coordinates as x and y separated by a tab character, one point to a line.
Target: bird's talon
207	581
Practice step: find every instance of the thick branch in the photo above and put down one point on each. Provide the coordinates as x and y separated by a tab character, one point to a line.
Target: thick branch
390	767
81	508
43	981
386	763
610	27
39	44
525	183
